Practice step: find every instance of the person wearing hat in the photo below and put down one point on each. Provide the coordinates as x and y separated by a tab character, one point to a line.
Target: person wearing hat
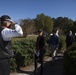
6	34
40	50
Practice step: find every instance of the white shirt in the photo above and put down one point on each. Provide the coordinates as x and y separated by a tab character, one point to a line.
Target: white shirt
7	33
57	33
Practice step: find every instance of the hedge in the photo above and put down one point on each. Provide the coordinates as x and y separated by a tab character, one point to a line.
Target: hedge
24	51
70	60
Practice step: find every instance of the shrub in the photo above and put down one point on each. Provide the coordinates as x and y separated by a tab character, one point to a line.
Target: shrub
70	60
62	44
24	50
13	65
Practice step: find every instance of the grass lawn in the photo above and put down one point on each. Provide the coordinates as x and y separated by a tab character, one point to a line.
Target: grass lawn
28	38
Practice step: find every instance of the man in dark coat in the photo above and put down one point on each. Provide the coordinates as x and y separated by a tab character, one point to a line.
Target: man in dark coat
40	50
70	39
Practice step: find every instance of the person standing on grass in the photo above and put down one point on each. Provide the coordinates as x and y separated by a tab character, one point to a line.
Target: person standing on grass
54	44
40	50
6	34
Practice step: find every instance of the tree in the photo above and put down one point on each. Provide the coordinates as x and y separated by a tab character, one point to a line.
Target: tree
28	26
74	27
64	24
44	22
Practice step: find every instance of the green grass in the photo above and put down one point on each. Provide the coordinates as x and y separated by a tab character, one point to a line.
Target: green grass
31	37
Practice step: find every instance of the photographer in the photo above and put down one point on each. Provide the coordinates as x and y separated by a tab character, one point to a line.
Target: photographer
6	34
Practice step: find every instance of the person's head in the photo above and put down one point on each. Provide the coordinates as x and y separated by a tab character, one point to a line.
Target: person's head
40	32
70	32
6	21
54	31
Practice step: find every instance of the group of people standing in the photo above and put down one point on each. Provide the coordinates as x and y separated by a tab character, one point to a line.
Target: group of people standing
54	43
6	52
40	48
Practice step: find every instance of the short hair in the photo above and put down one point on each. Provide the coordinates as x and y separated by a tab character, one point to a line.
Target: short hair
54	30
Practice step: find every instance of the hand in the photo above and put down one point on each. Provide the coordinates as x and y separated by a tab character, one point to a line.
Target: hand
37	53
13	23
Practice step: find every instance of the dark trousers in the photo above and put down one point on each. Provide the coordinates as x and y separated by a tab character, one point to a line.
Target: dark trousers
39	59
4	66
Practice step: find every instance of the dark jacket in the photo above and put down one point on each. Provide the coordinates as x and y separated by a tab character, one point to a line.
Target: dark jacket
5	48
70	39
40	42
54	40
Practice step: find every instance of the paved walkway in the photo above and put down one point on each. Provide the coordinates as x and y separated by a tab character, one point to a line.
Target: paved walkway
56	69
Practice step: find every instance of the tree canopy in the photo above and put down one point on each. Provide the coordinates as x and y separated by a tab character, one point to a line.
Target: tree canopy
47	24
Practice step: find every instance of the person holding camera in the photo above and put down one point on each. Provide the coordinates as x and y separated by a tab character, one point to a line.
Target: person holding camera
6	34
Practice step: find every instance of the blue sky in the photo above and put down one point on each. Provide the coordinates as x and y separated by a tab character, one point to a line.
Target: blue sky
23	9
